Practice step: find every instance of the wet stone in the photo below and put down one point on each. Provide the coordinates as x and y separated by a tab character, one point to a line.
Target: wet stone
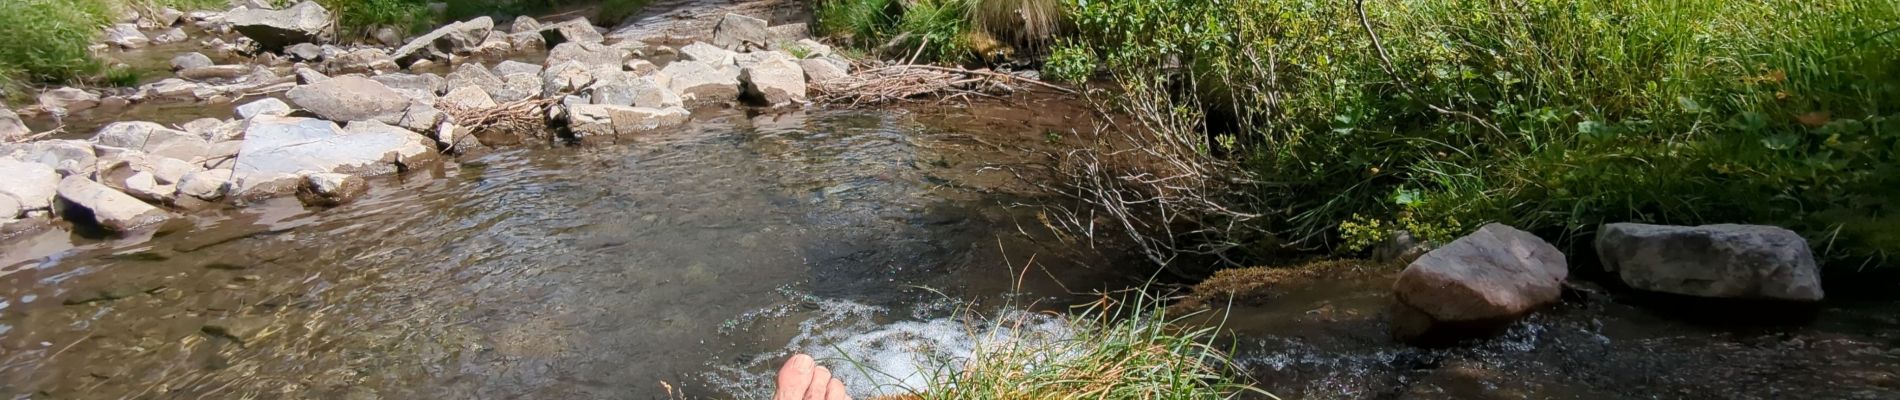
244	330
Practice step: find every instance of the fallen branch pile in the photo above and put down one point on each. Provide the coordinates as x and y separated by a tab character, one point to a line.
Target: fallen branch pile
911	82
527	116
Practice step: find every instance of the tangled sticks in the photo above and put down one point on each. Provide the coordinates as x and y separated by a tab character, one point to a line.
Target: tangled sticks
897	83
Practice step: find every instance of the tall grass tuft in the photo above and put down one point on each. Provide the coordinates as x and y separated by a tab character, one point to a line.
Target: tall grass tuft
1553	115
46	40
1113	350
1030	25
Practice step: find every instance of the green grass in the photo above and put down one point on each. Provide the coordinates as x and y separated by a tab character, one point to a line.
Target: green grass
942	31
1552	115
1113	350
47	40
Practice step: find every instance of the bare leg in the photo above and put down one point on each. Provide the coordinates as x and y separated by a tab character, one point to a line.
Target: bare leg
803	379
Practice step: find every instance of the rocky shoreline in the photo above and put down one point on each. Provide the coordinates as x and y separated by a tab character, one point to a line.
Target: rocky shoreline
318	116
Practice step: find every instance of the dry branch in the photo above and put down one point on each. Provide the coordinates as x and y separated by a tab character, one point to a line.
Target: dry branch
528	115
908	82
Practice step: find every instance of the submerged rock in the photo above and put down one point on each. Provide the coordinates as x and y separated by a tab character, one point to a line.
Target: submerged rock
740	32
191	60
214	72
275	29
1717	261
361	61
173	35
328	189
244	330
85	200
350	98
604	119
1476	285
67	100
776	81
207	185
277	150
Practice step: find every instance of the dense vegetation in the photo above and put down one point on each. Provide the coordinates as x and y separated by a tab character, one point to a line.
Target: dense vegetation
1554	115
48	39
1436	116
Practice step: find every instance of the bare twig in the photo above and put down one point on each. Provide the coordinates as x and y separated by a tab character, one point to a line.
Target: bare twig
1385	62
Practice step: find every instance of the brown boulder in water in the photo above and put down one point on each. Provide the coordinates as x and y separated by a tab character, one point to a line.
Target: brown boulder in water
1476	285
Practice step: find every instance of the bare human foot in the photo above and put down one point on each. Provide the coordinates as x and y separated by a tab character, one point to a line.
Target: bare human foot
803	379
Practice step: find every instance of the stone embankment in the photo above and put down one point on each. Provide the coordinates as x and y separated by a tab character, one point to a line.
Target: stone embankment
318	115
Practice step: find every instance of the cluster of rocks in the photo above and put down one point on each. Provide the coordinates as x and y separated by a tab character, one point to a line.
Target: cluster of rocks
1480	283
350	112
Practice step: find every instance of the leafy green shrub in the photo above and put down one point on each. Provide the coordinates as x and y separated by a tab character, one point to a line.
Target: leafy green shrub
358	17
46	40
1552	115
121	77
933	30
936	29
1069	63
857	22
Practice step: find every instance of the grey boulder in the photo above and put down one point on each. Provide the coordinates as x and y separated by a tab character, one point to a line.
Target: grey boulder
740	32
329	189
698	82
83	199
152	138
267	106
606	120
277	150
1716	261
275	29
191	60
776	81
68	100
350	98
28	185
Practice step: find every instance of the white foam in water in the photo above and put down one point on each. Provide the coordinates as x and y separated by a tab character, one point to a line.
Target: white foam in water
896	358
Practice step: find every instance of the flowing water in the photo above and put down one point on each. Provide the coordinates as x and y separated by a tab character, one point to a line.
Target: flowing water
588	271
